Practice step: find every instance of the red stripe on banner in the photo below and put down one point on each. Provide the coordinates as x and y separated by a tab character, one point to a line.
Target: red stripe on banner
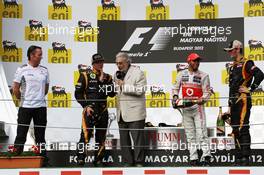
118	172
239	171
71	173
197	172
154	171
29	173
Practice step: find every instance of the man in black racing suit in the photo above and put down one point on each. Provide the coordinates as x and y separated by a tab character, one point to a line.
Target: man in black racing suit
241	73
91	91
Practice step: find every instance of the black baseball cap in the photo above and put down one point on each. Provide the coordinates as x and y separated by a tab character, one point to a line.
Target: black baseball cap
97	58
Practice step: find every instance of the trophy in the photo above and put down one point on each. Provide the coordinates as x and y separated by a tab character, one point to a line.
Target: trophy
112	117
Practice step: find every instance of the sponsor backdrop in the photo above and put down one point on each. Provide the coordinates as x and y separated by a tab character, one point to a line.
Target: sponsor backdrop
157	34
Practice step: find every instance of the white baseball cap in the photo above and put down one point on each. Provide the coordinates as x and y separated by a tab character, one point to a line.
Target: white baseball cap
233	45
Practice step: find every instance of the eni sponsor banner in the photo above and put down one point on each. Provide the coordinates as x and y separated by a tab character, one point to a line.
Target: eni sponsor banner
59	10
59	98
157	98
253	8
157	10
206	9
258	98
85	32
11	53
36	31
225	77
255	50
108	10
11	9
59	54
169	41
213	101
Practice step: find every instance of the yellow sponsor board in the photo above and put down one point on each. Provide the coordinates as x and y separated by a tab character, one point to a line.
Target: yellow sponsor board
60	13
76	75
12	56
36	34
258	98
64	57
225	77
255	55
213	101
86	35
253	10
158	13
173	76
109	13
209	12
111	102
59	101
158	101
11	11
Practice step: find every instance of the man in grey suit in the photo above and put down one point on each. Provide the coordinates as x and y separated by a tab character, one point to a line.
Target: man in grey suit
131	109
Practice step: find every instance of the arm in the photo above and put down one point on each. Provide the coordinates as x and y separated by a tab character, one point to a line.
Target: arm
47	84
206	90
176	86
16	90
256	73
138	88
80	91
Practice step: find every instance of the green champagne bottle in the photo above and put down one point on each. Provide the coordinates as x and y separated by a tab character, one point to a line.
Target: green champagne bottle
220	124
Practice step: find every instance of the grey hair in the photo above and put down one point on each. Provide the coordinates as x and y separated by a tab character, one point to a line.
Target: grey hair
125	56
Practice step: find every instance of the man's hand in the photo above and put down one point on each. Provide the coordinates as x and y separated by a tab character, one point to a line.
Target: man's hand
174	101
120	83
89	110
243	89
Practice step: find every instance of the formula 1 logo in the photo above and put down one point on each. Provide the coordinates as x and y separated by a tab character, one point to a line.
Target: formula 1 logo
59	10
253	8
11	9
11	52
108	10
59	54
59	98
158	41
157	10
255	50
206	9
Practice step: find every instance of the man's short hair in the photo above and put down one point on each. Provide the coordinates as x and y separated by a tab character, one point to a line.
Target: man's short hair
31	49
124	55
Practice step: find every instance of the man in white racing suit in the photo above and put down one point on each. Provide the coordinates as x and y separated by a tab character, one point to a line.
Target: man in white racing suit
195	88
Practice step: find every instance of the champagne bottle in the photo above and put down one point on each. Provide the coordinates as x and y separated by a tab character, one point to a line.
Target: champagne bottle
220	124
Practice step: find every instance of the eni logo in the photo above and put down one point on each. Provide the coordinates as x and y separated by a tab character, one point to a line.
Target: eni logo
255	50
11	9
108	10
206	9
35	31
11	52
157	10
85	32
59	98
157	98
213	101
81	68
59	10
59	54
258	97
254	8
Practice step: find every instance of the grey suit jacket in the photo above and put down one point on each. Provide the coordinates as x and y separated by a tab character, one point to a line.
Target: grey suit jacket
131	101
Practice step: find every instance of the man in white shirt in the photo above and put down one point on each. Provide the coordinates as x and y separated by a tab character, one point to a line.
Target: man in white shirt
31	84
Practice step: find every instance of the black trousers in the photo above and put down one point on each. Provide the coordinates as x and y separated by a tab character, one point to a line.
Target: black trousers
128	155
240	113
25	115
100	136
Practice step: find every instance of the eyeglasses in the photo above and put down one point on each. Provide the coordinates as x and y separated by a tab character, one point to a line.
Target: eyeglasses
119	63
